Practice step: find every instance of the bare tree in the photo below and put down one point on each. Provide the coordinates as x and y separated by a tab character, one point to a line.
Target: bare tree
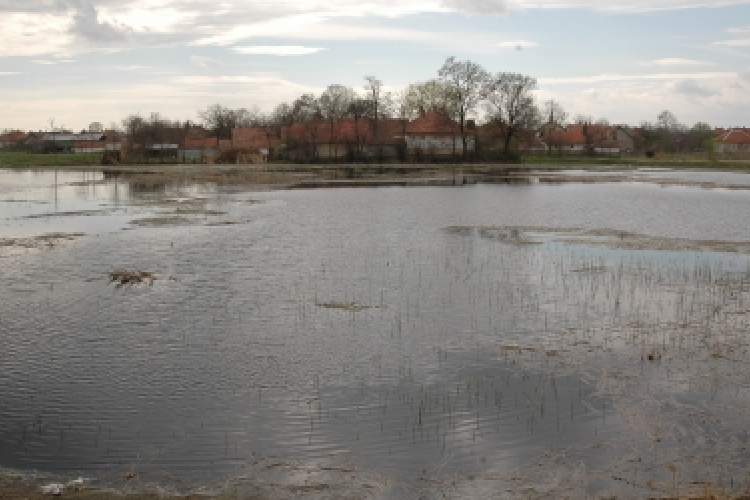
374	89
432	95
222	120
669	131
306	110
96	128
666	120
555	118
334	104
466	82
511	103
360	108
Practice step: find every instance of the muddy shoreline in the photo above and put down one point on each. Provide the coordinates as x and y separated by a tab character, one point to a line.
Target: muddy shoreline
294	176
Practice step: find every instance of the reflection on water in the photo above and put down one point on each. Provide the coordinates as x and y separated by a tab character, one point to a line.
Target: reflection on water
350	328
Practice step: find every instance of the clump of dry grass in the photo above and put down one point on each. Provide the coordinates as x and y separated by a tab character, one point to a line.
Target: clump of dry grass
135	277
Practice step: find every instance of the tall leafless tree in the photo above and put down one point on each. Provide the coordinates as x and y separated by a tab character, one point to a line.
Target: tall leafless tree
510	102
432	95
466	82
334	104
555	118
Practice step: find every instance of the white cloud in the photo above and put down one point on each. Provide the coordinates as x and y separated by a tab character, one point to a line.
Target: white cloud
35	27
206	63
606	78
277	50
33	34
690	87
741	37
624	5
737	42
477	6
711	97
676	61
178	99
131	67
517	44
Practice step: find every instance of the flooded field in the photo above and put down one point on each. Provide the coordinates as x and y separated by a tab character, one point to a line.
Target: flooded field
454	342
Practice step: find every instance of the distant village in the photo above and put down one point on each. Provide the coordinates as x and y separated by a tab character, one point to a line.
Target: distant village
437	120
432	136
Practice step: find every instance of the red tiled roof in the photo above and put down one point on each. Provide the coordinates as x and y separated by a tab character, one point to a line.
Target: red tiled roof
13	136
491	130
433	123
600	136
736	136
197	132
571	135
389	128
200	143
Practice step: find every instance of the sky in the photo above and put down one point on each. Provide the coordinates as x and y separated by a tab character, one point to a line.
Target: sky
73	62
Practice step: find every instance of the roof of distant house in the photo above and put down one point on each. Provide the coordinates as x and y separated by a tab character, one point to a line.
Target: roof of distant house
735	136
433	123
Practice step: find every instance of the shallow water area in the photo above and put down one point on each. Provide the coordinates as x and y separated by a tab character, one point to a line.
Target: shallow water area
383	342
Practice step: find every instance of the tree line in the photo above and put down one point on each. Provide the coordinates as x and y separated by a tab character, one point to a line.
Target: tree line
462	90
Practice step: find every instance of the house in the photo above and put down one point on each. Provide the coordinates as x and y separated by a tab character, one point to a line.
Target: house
260	139
343	138
323	139
163	150
66	142
88	146
571	139
491	136
199	149
733	141
626	139
435	133
583	138
12	139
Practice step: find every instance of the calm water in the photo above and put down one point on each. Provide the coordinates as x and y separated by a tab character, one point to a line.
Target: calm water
348	330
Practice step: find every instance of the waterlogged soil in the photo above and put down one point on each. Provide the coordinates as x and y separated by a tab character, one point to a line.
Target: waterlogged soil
16	246
609	238
379	343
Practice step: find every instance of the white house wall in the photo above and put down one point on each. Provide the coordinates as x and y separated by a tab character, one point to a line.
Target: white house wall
428	143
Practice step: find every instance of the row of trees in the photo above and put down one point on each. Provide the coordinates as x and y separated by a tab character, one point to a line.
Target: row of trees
461	90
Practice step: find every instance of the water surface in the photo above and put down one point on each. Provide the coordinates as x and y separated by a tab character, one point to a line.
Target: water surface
349	330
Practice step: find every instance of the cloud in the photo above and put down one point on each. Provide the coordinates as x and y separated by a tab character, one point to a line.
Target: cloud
624	5
8	73
277	50
741	37
87	25
517	44
206	63
131	67
49	62
605	78
692	88
477	6
737	42
676	61
35	27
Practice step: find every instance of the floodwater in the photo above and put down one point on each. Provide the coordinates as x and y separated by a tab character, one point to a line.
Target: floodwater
384	343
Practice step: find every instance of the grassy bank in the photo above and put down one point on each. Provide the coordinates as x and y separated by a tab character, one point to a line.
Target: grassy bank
22	159
667	161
